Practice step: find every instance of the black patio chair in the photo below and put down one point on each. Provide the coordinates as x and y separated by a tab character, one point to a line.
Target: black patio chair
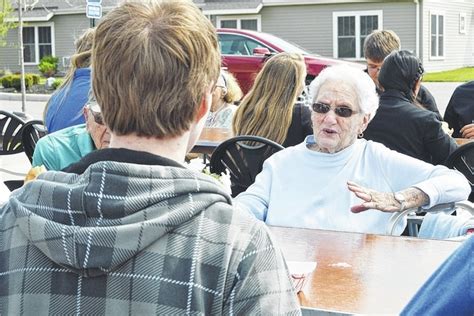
462	159
243	156
31	133
10	133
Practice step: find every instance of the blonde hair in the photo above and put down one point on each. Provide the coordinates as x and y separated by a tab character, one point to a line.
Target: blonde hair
267	109
380	43
80	59
234	93
82	56
152	63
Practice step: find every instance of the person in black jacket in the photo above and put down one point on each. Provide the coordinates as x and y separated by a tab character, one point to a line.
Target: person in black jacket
401	124
377	46
460	111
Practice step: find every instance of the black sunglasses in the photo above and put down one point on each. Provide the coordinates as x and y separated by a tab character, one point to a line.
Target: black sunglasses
342	111
97	116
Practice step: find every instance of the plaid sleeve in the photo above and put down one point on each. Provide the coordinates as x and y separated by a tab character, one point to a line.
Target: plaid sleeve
262	284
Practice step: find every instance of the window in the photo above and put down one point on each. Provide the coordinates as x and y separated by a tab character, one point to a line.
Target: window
237	45
38	42
241	22
462	23
437	35
350	30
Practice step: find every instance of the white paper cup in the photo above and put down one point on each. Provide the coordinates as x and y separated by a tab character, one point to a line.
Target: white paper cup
299	272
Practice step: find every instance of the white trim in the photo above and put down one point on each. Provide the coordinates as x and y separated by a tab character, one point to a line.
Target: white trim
255	10
357	15
53	41
239	18
33	18
462	27
437	13
417	29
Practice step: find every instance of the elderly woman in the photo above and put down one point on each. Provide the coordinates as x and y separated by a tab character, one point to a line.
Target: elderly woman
58	150
325	181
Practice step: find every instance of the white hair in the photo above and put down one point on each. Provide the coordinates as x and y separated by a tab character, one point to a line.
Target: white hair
363	85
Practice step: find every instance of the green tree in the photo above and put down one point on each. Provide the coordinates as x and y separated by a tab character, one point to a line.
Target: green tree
6	11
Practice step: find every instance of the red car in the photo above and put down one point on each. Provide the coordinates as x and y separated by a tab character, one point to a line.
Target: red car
244	52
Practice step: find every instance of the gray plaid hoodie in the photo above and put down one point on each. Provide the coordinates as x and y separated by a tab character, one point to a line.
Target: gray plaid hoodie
124	238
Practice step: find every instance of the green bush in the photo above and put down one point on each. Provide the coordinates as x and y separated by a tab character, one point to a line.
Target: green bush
7	81
14	81
48	65
56	83
36	78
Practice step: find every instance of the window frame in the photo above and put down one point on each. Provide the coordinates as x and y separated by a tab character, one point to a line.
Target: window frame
437	14
356	15
462	24
37	50
239	18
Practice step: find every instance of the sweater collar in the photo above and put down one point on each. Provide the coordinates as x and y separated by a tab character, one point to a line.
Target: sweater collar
120	155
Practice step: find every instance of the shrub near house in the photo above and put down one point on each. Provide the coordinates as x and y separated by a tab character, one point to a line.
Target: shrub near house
48	66
14	81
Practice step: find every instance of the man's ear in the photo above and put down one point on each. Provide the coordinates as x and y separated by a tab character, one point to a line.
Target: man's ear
203	109
205	105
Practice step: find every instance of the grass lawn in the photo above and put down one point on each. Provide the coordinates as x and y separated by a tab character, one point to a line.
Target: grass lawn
456	75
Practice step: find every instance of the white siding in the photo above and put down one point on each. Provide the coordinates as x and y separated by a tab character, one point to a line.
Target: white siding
458	47
310	26
67	28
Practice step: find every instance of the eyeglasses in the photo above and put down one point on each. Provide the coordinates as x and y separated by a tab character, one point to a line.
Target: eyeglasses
342	111
373	68
96	115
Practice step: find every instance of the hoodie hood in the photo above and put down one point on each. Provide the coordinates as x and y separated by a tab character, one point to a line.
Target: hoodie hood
93	222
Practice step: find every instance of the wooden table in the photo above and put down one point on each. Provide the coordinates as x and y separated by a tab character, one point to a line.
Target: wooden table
210	138
462	141
359	273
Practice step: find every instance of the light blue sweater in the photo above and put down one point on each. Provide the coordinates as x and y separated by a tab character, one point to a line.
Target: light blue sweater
58	150
299	187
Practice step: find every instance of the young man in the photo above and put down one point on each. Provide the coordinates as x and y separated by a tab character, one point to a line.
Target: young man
129	230
378	45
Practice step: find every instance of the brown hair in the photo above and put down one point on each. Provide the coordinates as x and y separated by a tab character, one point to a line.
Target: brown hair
267	109
152	63
380	43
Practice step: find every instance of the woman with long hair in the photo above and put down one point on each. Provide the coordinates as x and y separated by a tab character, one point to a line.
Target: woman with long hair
64	108
270	109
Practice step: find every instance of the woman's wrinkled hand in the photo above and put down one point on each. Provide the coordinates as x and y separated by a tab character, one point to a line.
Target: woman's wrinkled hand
382	201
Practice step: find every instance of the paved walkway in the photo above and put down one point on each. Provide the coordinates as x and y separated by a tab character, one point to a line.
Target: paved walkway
19	163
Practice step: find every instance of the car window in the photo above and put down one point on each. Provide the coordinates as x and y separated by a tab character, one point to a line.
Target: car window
237	45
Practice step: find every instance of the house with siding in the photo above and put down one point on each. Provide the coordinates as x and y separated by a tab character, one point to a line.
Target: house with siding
440	32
